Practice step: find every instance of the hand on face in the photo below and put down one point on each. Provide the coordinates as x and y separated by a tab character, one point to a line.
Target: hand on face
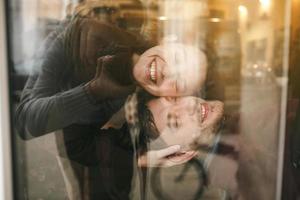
88	39
171	70
95	37
103	87
167	157
187	121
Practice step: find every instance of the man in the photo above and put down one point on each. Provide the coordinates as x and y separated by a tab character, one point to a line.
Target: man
72	89
198	122
190	122
165	121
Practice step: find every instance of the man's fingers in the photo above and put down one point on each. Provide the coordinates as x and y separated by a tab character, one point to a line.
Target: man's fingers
168	151
157	158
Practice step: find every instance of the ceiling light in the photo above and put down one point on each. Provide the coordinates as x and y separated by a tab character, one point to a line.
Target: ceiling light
215	19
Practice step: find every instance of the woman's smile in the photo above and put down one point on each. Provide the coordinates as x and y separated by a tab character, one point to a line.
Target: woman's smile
162	72
153	71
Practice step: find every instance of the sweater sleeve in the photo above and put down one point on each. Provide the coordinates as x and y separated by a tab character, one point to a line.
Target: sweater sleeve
44	107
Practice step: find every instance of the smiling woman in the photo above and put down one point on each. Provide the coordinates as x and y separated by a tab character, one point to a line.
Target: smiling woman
171	70
189	63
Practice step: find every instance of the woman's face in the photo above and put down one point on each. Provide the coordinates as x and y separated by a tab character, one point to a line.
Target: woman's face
187	121
171	70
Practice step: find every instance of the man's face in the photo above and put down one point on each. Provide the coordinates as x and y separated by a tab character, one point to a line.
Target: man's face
171	70
184	121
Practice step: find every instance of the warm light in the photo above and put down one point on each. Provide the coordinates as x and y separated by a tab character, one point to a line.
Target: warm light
265	5
243	10
215	19
162	18
243	18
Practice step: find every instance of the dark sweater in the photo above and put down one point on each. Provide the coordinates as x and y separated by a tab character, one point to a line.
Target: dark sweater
54	99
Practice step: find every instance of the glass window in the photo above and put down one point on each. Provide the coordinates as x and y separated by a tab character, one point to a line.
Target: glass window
148	99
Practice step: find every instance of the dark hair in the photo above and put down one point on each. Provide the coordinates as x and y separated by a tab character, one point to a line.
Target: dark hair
146	124
120	69
121	47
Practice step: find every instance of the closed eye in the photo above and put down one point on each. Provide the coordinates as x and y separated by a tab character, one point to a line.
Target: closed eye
172	121
176	123
172	99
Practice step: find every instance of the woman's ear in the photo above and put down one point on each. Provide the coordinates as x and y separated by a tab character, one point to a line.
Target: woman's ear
135	58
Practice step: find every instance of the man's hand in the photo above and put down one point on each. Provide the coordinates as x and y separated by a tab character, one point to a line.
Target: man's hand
102	86
159	158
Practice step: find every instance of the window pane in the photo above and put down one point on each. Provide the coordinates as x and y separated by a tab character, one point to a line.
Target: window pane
133	99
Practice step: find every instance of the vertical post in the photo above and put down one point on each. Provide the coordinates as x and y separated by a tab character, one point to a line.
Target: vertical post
284	93
5	142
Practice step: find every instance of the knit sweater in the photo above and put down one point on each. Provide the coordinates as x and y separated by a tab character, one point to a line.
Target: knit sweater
53	99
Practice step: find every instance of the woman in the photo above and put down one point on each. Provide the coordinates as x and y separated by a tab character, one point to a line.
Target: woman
66	92
166	70
63	91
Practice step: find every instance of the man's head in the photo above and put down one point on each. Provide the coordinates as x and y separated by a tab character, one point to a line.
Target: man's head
187	121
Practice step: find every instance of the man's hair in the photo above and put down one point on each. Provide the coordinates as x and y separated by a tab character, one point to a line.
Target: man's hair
144	124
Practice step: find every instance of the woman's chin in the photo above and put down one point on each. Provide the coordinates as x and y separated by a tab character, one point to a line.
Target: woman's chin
182	157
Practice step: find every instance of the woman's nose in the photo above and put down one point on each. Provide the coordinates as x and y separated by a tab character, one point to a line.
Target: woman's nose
170	71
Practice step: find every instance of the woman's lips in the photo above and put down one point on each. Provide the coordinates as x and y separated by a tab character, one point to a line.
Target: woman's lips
182	156
151	71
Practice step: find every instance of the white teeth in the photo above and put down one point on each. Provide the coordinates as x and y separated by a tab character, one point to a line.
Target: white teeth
153	71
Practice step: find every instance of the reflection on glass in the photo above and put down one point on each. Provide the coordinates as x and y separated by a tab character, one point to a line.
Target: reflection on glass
171	70
147	99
